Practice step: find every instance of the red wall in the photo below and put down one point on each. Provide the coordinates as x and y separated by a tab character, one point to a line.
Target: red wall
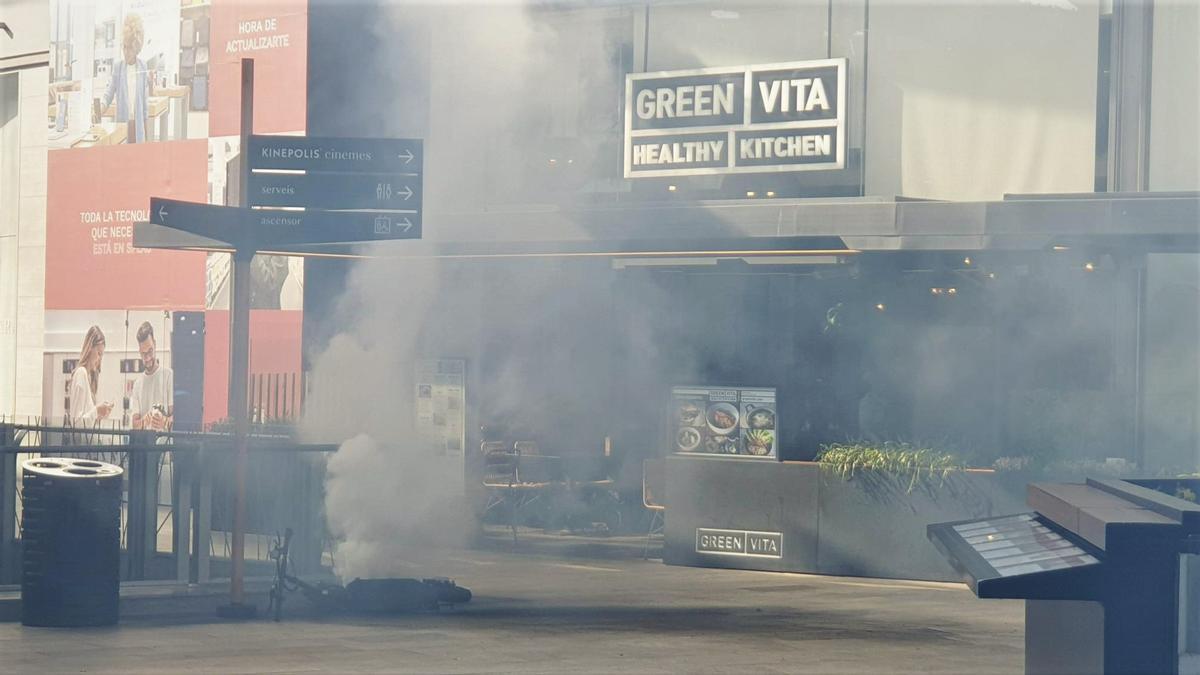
274	348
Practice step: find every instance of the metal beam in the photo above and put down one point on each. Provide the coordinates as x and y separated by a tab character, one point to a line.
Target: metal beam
1129	96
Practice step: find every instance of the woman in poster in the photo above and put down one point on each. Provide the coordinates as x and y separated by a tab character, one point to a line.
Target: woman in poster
85	380
129	87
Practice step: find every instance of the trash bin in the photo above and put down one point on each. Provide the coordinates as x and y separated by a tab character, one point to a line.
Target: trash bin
1102	567
71	542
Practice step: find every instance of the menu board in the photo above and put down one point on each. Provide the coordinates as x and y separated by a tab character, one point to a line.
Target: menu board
731	422
441	404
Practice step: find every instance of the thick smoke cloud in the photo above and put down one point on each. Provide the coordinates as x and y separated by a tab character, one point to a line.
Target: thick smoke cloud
385	493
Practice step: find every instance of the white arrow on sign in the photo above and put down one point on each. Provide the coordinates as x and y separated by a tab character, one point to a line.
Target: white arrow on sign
407	156
407	192
162	213
407	224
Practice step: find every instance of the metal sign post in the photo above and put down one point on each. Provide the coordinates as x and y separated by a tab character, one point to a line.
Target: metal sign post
239	370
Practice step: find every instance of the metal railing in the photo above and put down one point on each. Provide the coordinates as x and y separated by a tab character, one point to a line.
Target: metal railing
178	488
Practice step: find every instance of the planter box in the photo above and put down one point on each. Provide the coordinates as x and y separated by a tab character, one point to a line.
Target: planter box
731	513
872	526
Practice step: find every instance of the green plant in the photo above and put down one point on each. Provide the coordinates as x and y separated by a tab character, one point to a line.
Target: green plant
916	465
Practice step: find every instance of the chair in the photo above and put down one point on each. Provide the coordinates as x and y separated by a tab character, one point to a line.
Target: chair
528	448
499	465
499	475
504	480
654	483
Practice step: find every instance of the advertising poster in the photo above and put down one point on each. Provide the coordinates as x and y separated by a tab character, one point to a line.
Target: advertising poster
144	99
134	376
275	34
93	199
725	421
441	405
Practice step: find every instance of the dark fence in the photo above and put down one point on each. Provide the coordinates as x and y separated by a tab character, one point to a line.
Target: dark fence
178	490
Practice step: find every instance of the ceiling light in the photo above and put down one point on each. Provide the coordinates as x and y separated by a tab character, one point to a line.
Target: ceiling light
724	14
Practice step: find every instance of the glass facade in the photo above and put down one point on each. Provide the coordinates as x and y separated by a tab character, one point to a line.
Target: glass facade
962	102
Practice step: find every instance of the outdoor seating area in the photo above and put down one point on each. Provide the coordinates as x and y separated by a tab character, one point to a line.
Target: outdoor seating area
524	486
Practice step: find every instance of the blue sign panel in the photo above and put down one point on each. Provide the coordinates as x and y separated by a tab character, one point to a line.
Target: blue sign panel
385	192
329	227
273	227
353	155
224	223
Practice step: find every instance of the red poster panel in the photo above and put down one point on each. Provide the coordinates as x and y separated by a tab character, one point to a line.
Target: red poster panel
274	350
94	198
275	34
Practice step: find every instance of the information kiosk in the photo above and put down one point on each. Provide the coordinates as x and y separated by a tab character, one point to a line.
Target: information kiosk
1105	569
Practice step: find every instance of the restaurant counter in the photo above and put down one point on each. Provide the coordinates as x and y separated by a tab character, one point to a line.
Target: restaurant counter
794	517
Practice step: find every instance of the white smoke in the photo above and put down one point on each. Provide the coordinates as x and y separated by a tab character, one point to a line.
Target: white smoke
489	79
383	502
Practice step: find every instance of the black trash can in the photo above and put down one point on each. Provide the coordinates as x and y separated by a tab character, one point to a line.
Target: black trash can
71	542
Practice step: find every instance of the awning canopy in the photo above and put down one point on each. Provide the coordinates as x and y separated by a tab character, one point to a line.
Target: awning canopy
1151	222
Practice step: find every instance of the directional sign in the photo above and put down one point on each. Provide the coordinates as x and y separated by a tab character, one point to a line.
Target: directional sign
352	189
327	227
353	155
224	223
273	227
392	192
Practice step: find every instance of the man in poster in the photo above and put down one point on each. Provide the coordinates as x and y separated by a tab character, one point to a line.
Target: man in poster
152	403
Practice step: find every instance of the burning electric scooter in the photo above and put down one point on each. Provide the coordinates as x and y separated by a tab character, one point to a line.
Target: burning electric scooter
361	596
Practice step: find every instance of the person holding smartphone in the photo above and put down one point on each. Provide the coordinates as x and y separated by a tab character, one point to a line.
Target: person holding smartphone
85	381
152	403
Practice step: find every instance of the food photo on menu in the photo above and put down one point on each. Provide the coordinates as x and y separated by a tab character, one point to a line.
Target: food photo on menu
758	423
724	421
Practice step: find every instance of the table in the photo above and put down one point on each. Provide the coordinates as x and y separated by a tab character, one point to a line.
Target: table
105	133
158	108
156	125
179	97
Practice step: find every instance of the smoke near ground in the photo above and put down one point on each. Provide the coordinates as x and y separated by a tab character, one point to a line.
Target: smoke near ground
382	503
386	494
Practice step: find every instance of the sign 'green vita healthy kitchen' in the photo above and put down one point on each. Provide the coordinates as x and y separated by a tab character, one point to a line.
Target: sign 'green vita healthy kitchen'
748	119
